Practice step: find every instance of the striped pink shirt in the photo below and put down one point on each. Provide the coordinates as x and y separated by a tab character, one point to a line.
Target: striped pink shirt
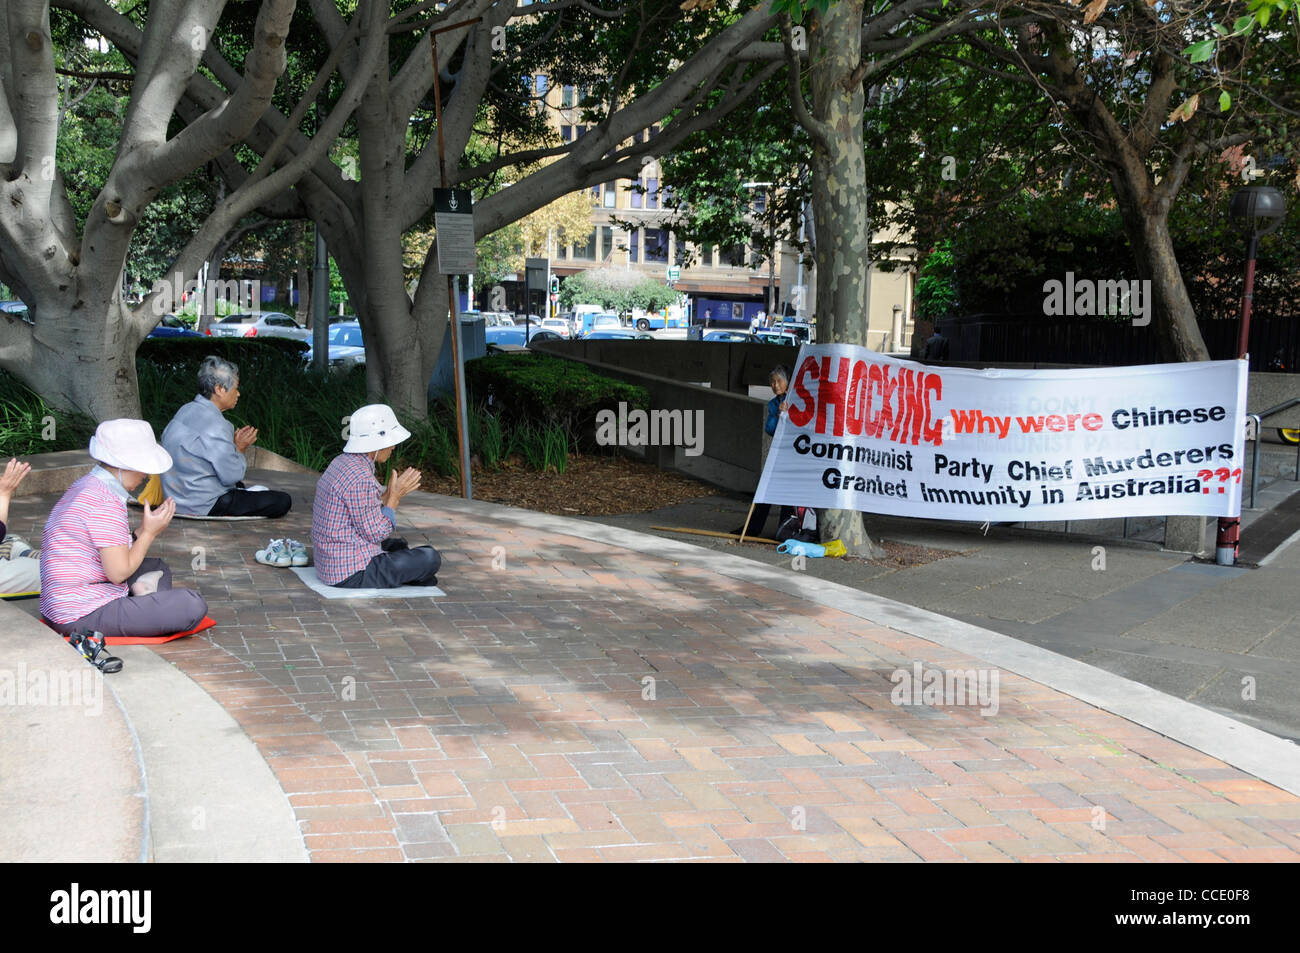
88	518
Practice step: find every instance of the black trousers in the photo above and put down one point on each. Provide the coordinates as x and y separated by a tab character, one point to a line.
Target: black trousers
241	502
397	567
756	522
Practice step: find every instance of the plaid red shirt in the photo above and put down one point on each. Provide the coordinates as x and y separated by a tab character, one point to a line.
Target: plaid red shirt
347	519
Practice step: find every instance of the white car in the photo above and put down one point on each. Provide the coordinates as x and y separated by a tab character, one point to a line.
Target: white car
558	325
271	324
346	349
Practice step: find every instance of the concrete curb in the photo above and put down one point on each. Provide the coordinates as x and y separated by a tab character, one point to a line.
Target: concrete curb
160	772
1256	752
72	781
212	796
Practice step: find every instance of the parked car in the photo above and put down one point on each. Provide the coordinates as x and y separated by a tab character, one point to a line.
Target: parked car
346	348
800	329
558	325
172	326
274	324
16	307
515	336
777	337
619	334
592	322
729	336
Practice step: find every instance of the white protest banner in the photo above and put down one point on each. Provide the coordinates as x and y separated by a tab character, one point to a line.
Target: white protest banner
862	431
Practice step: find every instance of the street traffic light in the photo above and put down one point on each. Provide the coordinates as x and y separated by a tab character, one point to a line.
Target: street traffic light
555	284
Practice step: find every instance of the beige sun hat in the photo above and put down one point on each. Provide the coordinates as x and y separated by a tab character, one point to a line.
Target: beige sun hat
129	445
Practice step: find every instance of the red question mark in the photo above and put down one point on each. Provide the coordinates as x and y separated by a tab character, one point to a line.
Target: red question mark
1223	473
1205	476
1237	474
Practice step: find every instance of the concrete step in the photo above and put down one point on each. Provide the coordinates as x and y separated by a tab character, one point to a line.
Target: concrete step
161	769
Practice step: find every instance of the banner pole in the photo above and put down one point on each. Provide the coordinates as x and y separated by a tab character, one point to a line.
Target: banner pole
744	528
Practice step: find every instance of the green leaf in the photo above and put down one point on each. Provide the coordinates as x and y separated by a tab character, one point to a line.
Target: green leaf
1200	52
1225	101
1222	30
1243	24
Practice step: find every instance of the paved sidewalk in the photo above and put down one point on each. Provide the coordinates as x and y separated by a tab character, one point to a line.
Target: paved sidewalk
580	696
1226	638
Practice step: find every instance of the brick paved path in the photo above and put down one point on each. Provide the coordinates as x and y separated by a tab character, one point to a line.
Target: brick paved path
512	720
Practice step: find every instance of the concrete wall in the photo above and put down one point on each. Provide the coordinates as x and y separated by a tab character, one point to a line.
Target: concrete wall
732	454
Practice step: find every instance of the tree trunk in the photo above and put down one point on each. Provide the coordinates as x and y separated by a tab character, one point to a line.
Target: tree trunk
839	201
84	358
1172	316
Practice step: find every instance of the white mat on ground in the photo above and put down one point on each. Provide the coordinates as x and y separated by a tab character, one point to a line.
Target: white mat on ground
308	575
216	519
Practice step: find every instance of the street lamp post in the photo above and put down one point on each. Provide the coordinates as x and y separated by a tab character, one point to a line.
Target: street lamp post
771	253
1258	211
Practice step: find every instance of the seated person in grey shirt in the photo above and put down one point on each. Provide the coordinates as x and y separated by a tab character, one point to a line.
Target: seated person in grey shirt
208	452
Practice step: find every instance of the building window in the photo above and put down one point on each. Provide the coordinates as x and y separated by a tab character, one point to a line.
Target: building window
706	256
611	195
580	131
606	242
760	201
682	253
562	252
633	240
566	97
656	246
566	133
636	195
586	251
654	131
734	255
652	193
539	82
595	192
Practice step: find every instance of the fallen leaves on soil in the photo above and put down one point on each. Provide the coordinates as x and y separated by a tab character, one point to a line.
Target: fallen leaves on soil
590	486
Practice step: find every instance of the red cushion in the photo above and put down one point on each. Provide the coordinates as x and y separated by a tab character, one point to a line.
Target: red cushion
207	623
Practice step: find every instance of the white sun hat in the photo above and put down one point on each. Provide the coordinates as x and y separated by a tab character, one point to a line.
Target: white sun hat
129	445
374	427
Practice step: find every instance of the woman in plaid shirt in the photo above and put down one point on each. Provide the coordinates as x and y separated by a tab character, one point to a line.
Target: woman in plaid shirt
353	516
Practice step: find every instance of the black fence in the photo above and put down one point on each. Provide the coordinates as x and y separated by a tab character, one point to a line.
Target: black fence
1035	338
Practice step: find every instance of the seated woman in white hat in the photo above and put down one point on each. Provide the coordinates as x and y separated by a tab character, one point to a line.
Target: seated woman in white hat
93	575
352	516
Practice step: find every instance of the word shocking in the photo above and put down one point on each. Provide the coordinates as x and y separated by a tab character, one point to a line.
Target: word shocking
864	399
102	906
1092	298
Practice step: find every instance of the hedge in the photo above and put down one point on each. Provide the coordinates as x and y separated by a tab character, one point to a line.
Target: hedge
540	387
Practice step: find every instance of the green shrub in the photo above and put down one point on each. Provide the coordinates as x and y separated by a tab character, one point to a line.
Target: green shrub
544	389
298	413
29	425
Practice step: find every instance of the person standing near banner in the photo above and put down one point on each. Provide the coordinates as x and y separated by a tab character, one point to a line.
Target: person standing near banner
779	381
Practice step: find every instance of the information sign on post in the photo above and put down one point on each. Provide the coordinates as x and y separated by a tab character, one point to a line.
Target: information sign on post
453	217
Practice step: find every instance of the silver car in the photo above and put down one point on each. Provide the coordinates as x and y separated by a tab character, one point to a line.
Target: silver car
271	324
346	349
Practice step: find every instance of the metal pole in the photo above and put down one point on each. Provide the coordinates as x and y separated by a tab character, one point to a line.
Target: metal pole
320	289
457	366
1228	535
1254	460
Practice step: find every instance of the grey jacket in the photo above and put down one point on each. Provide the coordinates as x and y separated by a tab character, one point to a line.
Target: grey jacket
205	461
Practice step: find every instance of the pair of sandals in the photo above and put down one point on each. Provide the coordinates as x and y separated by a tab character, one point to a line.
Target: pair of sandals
94	649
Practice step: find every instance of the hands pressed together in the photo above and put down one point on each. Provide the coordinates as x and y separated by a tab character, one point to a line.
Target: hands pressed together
245	437
156	519
13	475
400	484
